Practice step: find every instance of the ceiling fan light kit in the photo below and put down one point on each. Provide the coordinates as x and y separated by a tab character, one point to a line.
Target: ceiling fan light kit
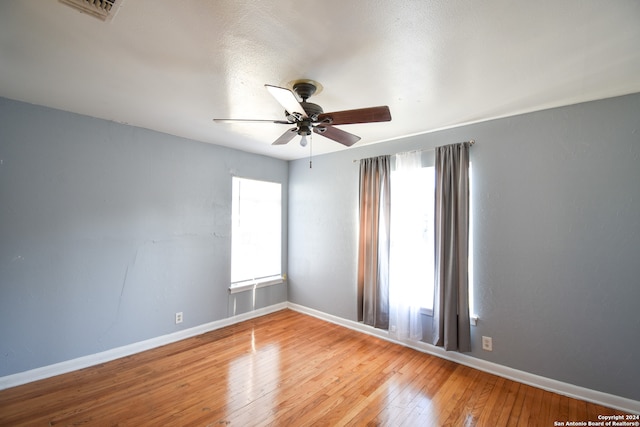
307	117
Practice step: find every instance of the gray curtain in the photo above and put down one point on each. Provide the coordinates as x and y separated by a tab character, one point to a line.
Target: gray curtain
374	245
451	299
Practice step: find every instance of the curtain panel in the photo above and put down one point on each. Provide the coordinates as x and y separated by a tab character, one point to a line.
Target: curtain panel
451	323
374	243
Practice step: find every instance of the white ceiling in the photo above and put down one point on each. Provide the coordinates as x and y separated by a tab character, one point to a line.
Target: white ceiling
172	66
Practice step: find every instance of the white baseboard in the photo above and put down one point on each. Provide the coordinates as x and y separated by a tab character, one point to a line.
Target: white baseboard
127	350
555	386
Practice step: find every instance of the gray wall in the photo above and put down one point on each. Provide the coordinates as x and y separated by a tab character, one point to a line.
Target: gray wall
556	206
106	231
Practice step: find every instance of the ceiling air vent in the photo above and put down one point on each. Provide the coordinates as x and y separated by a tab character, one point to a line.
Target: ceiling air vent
101	9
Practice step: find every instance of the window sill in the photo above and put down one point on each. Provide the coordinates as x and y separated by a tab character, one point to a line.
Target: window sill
473	320
426	312
249	285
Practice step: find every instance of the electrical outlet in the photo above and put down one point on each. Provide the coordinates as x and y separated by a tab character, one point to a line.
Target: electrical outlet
179	317
487	343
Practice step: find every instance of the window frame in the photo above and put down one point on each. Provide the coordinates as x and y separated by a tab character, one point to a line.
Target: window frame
253	283
429	311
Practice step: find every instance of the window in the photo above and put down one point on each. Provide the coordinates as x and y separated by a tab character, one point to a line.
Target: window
256	237
411	276
412	240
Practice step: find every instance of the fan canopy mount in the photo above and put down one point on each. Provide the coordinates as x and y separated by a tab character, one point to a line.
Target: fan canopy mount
305	88
309	117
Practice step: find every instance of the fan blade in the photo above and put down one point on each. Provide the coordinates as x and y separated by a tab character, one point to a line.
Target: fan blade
338	135
281	122
285	137
361	115
287	99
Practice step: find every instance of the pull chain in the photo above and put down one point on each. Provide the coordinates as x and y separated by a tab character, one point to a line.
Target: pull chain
310	150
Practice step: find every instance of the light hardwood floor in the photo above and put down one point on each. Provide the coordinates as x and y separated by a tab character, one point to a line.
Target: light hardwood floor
286	369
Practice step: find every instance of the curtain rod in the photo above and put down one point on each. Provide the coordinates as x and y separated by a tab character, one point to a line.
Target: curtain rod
471	142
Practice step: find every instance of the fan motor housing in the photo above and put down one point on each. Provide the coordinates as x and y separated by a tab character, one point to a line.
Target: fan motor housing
312	110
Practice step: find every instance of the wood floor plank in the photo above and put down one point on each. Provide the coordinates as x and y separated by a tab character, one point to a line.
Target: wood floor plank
508	405
400	391
364	409
462	413
416	399
289	369
518	406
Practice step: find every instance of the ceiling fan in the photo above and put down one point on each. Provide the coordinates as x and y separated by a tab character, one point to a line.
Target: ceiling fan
307	117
